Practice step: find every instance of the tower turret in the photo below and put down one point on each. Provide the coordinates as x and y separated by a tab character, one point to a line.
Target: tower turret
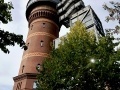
43	23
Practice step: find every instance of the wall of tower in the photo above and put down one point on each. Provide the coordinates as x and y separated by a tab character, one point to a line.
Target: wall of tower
43	29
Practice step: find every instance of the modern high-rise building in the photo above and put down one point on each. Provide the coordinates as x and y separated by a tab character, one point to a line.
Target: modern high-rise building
44	27
89	18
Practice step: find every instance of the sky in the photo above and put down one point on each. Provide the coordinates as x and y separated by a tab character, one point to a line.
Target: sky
10	63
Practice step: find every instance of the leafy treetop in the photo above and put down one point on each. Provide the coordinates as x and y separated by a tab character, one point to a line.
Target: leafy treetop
81	63
7	38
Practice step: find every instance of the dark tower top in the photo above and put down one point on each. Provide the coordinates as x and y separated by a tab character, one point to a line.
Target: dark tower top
34	3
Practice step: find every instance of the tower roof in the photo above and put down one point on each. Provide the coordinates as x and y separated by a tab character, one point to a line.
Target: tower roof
34	3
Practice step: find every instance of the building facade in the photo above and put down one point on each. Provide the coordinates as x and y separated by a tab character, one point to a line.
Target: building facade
43	23
89	18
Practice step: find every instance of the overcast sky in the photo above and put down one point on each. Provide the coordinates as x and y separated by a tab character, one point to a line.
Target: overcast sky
10	63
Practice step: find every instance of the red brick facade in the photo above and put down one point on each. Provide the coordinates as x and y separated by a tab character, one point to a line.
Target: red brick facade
43	29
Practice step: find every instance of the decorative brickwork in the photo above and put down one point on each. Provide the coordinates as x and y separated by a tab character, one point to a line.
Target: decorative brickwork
44	14
35	54
40	33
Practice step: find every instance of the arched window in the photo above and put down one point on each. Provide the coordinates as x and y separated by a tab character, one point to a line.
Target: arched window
43	25
38	67
19	86
31	27
41	43
23	68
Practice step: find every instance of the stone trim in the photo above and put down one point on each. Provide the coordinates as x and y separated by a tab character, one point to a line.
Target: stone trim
25	75
44	20
35	54
41	33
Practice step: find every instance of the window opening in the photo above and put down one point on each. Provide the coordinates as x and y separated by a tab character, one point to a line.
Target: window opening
31	27
38	67
43	25
20	85
27	44
17	87
23	68
41	43
51	44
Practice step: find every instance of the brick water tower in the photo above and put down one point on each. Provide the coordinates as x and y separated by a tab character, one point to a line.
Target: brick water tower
43	23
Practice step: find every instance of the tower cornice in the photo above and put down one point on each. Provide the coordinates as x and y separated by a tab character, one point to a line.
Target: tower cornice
34	3
44	14
25	75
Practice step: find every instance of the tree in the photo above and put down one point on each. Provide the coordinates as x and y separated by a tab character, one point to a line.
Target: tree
114	14
7	38
81	63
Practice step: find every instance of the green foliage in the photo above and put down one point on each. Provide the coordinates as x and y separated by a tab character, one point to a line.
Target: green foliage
10	39
114	14
5	11
7	38
81	63
114	11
